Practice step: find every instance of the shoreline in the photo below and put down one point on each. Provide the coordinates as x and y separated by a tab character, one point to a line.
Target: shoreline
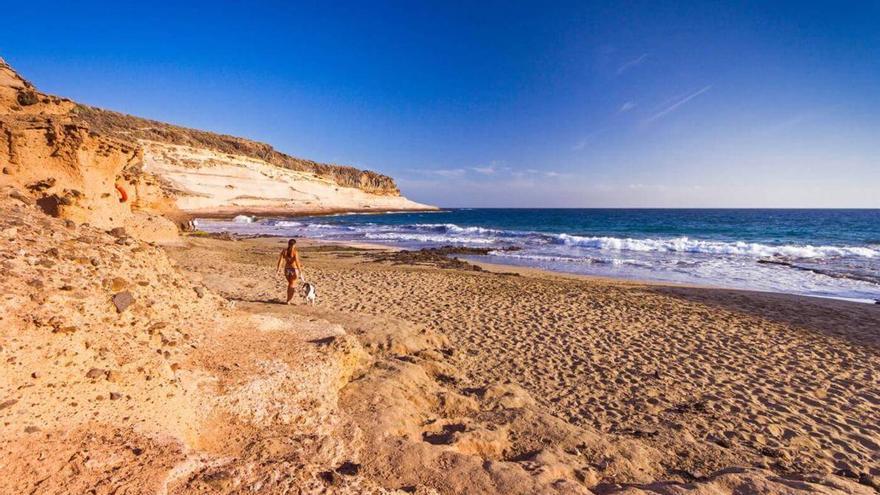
705	371
544	272
179	369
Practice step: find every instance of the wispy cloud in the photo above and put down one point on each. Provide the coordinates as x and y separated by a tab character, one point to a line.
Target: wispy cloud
676	104
448	172
587	139
493	173
627	106
632	63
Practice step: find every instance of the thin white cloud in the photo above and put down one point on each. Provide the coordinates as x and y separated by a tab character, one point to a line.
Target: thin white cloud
632	63
450	172
678	103
644	187
587	139
627	106
487	170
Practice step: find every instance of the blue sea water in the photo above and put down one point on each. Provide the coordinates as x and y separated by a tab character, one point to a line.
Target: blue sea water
830	253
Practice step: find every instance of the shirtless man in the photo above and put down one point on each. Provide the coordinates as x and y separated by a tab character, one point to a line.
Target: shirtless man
289	259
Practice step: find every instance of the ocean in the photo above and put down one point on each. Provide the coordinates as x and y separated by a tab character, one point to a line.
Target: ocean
827	253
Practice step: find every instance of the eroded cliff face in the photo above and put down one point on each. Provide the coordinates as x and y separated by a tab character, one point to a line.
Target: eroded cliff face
136	129
113	170
205	182
73	172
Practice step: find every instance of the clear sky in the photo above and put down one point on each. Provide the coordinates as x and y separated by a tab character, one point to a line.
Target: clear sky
529	104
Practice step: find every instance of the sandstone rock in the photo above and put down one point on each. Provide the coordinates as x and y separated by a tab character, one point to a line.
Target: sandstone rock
200	291
122	301
42	185
96	373
21	197
869	480
118	283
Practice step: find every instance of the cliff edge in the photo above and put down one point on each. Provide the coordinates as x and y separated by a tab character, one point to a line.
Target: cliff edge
114	170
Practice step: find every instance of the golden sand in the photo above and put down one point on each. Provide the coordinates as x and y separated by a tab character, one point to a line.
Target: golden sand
712	378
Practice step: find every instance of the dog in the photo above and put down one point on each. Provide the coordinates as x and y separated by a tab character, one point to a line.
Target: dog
309	293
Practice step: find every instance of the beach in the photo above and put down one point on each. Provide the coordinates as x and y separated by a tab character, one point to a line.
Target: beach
147	348
176	368
710	378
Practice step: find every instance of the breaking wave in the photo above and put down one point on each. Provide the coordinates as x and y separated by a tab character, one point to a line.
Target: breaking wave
686	245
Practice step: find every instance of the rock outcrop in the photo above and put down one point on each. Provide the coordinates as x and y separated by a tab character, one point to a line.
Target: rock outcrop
109	169
136	129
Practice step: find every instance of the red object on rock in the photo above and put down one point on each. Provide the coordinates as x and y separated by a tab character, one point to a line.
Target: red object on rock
123	196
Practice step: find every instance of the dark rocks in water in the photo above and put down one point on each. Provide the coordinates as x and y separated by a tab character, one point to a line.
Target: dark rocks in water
468	251
820	271
441	257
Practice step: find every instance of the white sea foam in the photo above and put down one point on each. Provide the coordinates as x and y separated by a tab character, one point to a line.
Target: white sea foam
686	245
243	219
426	238
286	223
678	259
539	257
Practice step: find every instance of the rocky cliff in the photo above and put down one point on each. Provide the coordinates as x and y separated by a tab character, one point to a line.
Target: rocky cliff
135	129
114	170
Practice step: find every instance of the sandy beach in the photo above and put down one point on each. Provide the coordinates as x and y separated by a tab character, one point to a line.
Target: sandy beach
141	356
710	378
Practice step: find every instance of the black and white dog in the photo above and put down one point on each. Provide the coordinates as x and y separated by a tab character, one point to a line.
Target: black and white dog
309	293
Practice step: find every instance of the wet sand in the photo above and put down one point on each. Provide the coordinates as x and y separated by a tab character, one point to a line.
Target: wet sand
713	378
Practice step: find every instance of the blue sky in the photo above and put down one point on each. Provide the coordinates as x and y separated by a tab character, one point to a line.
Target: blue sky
529	104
